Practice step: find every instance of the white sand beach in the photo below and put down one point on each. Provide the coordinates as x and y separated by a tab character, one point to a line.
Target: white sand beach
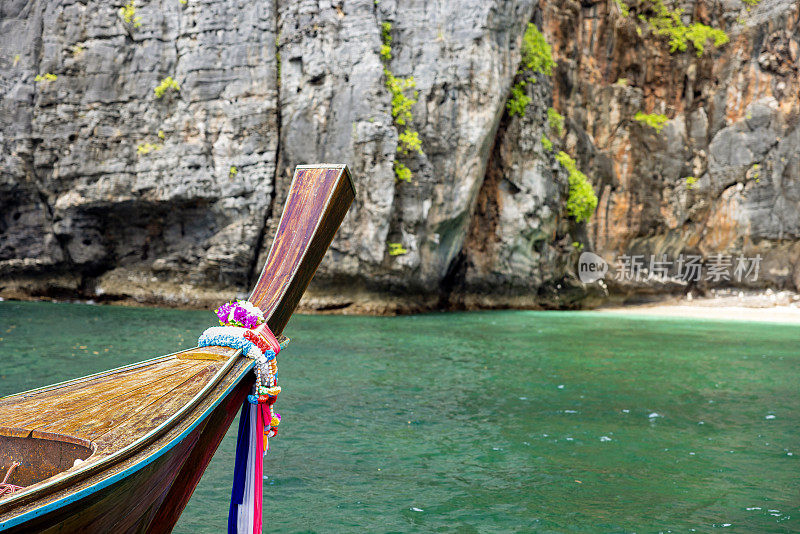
769	306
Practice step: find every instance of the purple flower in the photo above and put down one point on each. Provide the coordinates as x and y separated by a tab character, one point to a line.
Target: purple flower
223	312
239	315
250	321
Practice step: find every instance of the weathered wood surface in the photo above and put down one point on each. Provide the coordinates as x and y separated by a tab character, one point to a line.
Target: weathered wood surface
144	472
135	489
55	409
130	400
315	206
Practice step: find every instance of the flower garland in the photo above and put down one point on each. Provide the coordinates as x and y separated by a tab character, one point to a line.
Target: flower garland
239	313
235	338
242	326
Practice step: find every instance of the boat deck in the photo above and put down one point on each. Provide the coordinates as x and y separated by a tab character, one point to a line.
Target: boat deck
94	417
112	409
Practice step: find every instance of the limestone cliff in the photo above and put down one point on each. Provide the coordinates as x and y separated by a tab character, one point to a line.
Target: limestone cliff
722	176
109	191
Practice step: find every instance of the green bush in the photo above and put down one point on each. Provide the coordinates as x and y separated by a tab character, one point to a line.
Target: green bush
581	201
556	121
401	104
408	140
386	36
654	120
698	34
519	100
690	181
537	56
46	77
128	14
166	84
547	144
401	172
146	148
668	23
396	249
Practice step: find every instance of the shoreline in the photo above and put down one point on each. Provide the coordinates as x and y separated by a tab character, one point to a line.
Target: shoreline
727	305
776	314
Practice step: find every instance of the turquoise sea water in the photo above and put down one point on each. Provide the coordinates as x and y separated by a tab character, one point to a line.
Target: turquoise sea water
483	422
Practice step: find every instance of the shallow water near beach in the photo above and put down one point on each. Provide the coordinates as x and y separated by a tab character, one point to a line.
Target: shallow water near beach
482	422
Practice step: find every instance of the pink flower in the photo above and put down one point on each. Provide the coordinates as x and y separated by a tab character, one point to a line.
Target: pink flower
250	321
223	312
239	315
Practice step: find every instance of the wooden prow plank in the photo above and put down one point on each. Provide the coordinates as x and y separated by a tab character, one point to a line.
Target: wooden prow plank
318	200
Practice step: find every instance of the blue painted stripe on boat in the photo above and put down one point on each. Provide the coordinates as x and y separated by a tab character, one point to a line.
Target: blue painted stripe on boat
111	480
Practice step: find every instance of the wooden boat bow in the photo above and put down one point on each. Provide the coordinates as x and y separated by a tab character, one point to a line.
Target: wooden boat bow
124	449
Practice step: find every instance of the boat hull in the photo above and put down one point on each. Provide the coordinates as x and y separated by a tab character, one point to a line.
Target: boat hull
147	495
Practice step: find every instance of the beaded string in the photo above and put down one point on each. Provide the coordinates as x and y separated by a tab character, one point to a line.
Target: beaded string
242	326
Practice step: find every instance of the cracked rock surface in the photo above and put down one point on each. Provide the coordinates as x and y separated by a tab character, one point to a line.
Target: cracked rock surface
107	191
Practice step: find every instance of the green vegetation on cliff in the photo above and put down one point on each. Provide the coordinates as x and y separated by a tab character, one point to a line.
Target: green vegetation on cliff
556	121
401	172
537	58
519	100
396	249
386	37
581	201
401	103
655	121
408	140
666	22
145	148
537	55
128	14
623	8
167	84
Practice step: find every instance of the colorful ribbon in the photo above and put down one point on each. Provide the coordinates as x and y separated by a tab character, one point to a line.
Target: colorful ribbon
257	422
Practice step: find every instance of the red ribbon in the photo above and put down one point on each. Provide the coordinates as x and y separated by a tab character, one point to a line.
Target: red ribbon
264	339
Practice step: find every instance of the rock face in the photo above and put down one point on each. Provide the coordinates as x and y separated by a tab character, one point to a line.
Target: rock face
107	191
733	129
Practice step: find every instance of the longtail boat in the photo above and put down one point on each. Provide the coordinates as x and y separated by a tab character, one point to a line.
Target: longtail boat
123	450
